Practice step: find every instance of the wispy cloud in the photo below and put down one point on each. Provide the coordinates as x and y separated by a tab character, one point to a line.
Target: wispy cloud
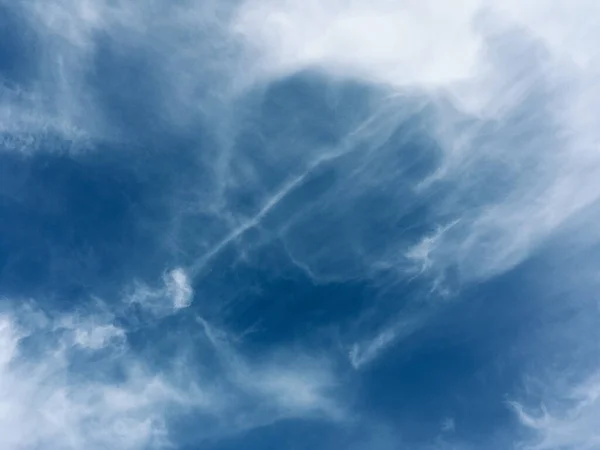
571	424
530	133
365	351
175	293
45	403
510	88
560	405
73	381
488	62
474	121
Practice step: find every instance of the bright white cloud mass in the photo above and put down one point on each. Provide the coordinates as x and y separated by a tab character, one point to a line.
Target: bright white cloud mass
299	224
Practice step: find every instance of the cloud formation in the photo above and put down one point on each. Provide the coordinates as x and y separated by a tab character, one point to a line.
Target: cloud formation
420	147
477	72
572	426
75	381
45	403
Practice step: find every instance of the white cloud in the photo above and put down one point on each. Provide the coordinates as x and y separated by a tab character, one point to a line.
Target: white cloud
572	426
52	395
389	42
559	404
25	122
44	403
176	293
512	88
514	91
404	42
179	289
474	54
97	337
285	385
482	58
365	351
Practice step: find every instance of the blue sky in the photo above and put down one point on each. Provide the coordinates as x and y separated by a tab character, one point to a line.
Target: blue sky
334	224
